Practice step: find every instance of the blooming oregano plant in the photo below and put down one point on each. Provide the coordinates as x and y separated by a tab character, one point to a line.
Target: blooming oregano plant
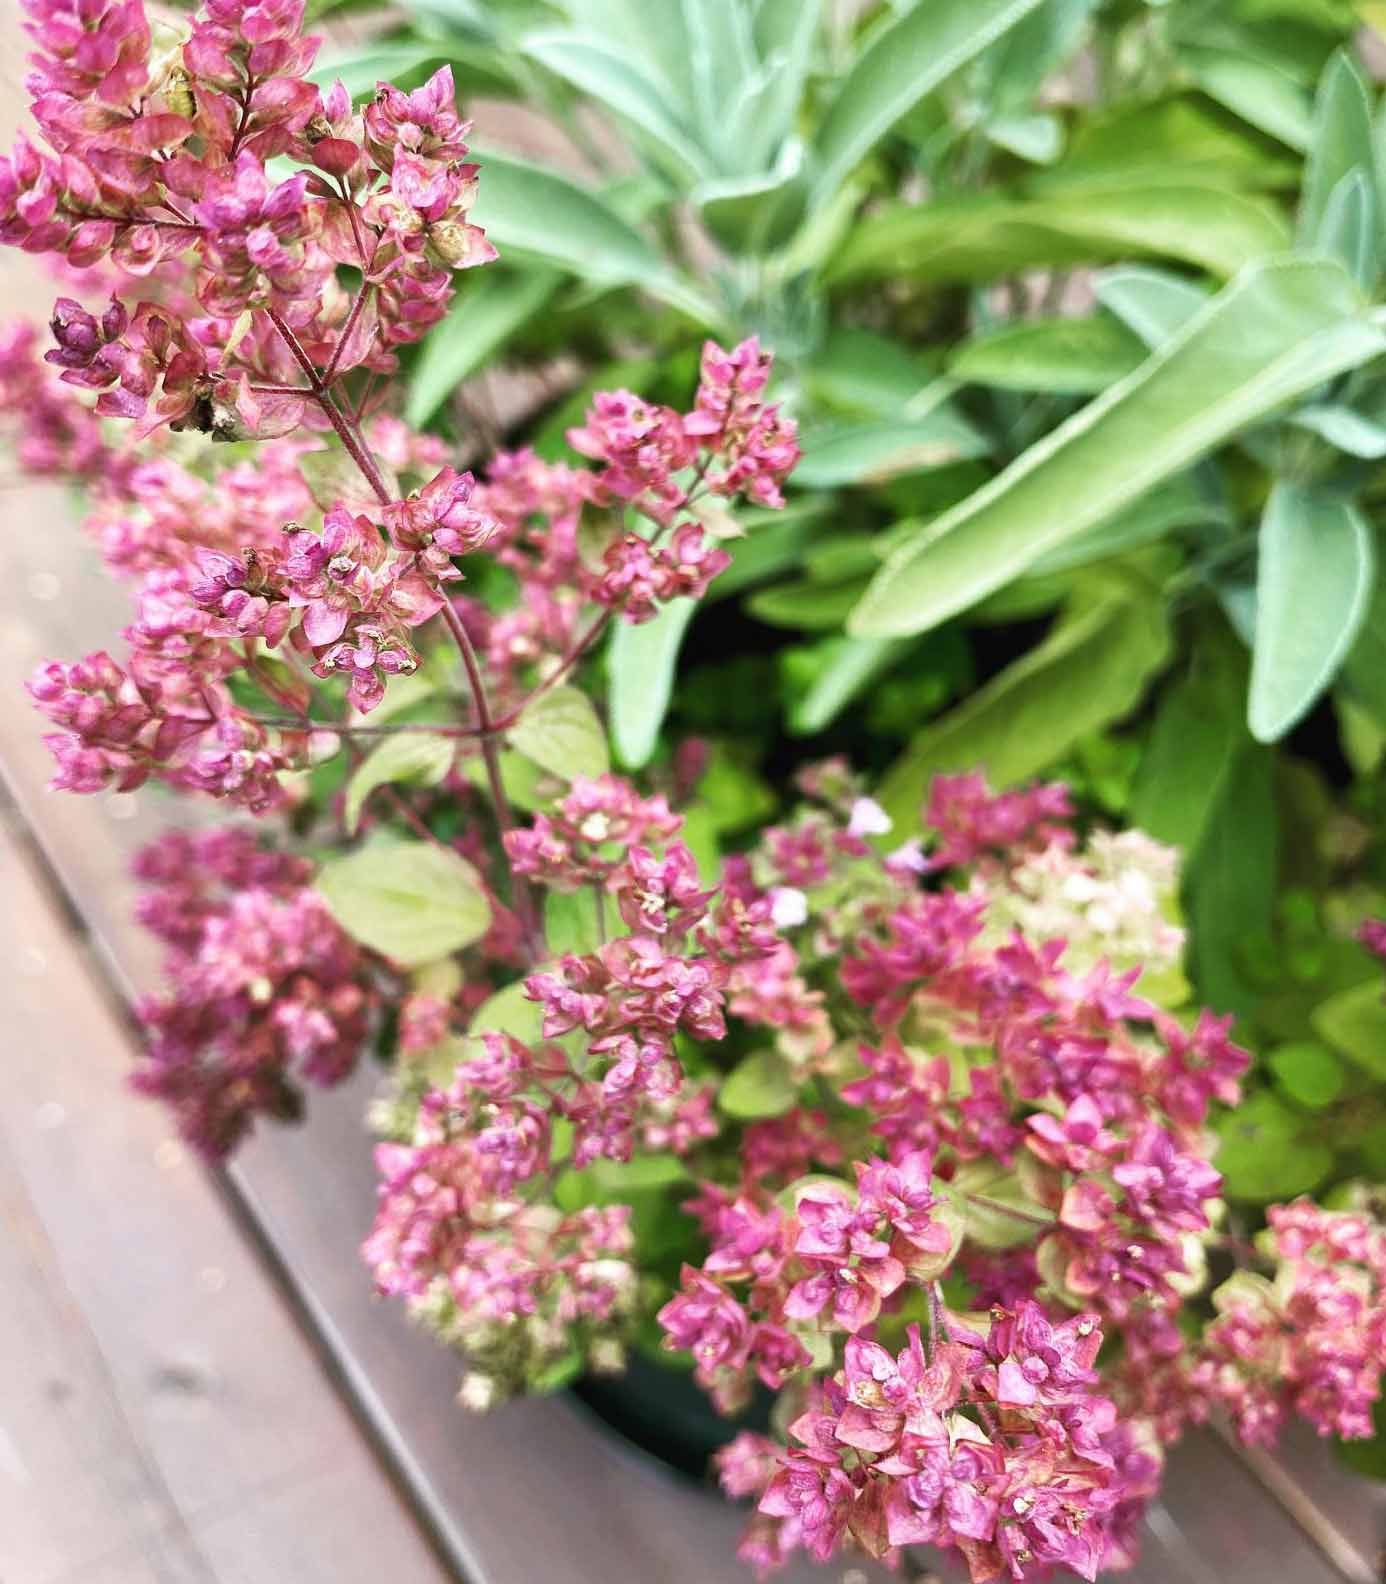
926	1106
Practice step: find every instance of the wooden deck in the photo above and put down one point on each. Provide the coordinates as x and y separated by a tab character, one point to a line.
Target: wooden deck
196	1386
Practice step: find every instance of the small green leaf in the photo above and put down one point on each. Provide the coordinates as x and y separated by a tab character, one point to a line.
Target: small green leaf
1348	431
1307	1072
511	1012
1313	585
1262	94
1278	331
1191	747
806	604
571	922
1341	143
417	757
1266	1154
1071	356
871	453
521	779
641	662
1154	303
855	663
761	1085
561	733
903	62
482	319
1348	230
1354	1022
334	479
407	900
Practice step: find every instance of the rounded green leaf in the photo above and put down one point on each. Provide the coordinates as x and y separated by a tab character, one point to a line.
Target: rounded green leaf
1313	585
560	732
1307	1072
418	757
1354	1022
1267	1154
760	1086
407	900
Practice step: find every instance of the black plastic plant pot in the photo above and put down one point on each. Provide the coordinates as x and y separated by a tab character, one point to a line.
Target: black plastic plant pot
666	1415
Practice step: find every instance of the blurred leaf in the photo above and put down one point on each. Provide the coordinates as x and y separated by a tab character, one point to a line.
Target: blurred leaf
1143	143
1262	94
861	371
810	605
760	1086
1313	585
1348	431
548	217
417	757
1191	748
407	900
870	453
1231	888
1090	670
476	68
571	922
641	662
1076	357
602	67
1354	1022
1341	141
1154	303
1307	1072
561	732
509	1011
1015	66
758	213
1037	138
482	318
853	664
733	794
987	236
904	60
1265	1154
1177	503
1278	331
1349	228
520	779
771	546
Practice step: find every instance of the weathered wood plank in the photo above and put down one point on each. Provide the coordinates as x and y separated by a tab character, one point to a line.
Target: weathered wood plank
163	1416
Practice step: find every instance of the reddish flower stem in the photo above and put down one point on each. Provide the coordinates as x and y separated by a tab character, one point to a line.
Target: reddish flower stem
488	730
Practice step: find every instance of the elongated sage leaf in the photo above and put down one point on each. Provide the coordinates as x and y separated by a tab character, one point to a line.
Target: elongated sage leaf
547	217
1281	329
408	900
603	68
1313	583
641	663
903	62
1090	670
988	236
482	319
868	453
1341	141
1078	357
854	665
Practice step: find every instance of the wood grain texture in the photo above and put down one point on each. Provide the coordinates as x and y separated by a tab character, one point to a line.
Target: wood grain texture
161	1416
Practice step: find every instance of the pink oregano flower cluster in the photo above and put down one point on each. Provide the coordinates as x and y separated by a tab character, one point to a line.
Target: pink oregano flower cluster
971	1167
